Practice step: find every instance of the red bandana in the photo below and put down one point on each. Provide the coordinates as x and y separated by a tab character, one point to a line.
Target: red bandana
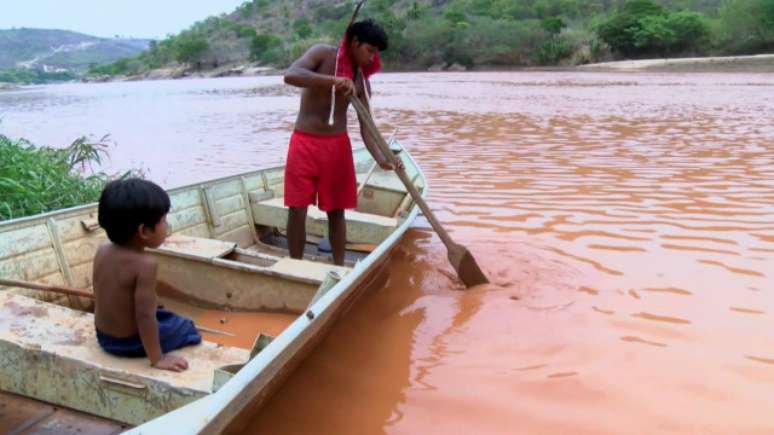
344	66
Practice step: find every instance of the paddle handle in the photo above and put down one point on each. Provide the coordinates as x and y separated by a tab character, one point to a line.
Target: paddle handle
46	287
368	122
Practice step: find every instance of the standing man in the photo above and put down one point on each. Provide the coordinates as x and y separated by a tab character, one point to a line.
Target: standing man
319	165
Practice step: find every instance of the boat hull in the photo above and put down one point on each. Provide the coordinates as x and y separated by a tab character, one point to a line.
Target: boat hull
218	232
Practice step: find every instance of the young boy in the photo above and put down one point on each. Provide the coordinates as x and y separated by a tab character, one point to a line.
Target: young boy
133	212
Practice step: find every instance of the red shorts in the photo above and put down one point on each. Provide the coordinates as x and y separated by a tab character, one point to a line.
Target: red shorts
320	171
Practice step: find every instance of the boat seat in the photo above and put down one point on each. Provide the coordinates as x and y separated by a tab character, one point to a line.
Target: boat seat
311	271
218	252
197	248
48	351
308	271
361	227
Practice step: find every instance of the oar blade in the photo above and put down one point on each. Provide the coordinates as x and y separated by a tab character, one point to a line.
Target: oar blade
467	268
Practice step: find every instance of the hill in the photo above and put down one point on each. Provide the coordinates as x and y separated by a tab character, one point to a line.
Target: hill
469	33
40	52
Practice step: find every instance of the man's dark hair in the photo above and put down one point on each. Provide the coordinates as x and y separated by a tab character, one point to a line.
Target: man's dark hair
125	204
369	32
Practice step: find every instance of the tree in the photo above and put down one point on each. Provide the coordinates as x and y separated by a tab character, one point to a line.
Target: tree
553	25
264	47
691	31
416	11
654	35
244	31
455	13
620	31
189	49
302	28
642	8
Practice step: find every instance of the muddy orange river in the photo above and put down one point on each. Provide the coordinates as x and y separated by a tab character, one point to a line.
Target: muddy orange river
626	221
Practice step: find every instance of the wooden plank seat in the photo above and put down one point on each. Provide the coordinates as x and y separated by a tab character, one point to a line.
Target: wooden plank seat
217	273
51	353
382	179
361	227
196	247
228	255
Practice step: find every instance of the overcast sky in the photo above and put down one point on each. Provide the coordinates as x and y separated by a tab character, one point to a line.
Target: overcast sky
107	18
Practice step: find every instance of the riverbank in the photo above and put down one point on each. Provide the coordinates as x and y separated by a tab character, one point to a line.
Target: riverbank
761	63
181	72
754	63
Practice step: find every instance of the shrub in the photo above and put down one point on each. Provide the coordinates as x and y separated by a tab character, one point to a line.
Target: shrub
266	48
189	49
554	50
38	179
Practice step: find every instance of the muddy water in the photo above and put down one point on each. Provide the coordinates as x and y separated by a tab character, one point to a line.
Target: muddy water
237	329
626	221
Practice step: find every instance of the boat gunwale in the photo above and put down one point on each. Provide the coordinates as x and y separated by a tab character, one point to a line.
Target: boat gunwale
174	190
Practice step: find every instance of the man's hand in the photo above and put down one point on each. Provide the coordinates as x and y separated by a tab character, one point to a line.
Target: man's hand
388	166
171	363
344	86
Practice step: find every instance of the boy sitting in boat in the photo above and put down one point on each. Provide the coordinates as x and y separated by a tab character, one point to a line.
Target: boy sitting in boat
133	212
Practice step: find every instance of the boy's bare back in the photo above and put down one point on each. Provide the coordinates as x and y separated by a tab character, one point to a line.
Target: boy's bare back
133	213
117	271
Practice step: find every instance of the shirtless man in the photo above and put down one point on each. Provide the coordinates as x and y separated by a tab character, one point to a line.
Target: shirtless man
319	166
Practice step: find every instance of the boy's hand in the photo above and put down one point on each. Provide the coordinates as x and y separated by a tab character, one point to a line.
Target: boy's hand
171	363
344	86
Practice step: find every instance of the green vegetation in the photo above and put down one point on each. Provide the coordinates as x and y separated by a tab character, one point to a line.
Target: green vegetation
39	179
746	26
473	33
31	76
644	28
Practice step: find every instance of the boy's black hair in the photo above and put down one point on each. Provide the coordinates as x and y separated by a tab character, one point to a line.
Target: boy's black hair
125	204
369	32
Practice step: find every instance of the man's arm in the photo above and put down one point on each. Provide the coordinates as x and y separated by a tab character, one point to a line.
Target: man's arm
303	72
145	316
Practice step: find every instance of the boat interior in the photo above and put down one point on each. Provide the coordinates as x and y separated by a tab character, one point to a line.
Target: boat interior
225	265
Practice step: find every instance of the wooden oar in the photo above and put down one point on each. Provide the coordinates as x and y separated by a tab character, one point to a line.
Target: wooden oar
213	331
46	287
459	256
82	294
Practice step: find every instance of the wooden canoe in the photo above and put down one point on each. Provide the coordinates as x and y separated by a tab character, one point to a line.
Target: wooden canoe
225	250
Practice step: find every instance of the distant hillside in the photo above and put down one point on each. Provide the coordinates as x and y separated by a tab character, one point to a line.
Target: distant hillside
32	51
459	34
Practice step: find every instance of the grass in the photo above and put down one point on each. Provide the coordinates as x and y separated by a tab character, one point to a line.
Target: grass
36	180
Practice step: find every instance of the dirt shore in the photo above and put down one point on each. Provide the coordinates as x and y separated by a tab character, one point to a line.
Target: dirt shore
755	63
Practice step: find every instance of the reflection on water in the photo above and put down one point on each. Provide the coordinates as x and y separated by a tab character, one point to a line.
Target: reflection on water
626	221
